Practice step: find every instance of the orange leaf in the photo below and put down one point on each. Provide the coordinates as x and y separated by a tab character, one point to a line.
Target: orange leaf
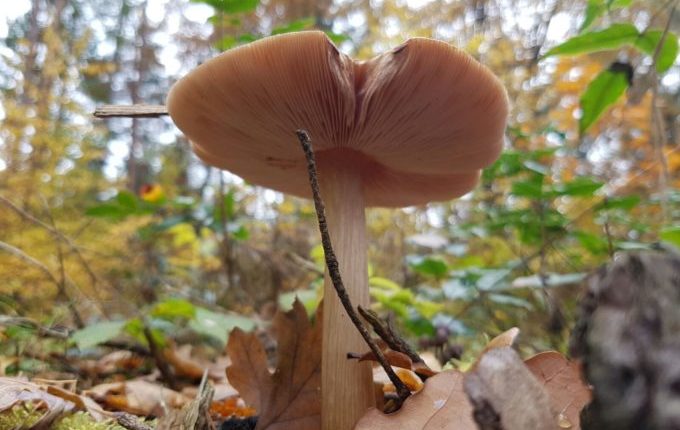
505	339
232	406
395	358
290	397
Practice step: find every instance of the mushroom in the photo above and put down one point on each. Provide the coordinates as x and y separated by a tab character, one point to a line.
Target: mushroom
413	125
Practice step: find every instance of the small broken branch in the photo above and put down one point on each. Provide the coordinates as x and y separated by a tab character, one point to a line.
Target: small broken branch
334	271
161	362
386	332
131	111
130	421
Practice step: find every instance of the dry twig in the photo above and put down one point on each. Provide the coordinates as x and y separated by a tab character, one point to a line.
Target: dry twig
131	111
334	271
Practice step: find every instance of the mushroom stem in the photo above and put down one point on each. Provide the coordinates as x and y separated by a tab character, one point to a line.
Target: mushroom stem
346	385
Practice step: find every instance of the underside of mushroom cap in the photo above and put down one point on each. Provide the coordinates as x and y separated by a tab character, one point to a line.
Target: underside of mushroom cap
417	123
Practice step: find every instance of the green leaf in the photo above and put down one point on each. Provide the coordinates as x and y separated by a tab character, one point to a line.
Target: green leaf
309	299
125	204
427	308
601	93
579	187
505	299
127	200
97	333
549	281
336	37
597	245
613	37
174	308
531	188
419	326
299	25
454	289
228	42
536	167
383	283
625	203
671	235
493	279
627	245
648	42
612	4
219	325
594	10
231	6
241	233
431	266
107	210
229	205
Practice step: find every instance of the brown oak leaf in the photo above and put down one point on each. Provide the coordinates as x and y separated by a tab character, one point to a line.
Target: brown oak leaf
442	404
289	398
564	383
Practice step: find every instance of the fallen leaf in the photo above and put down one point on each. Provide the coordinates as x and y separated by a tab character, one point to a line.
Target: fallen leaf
137	397
506	395
503	340
394	358
441	404
507	338
182	362
290	397
118	361
83	403
408	377
399	359
231	407
564	383
15	391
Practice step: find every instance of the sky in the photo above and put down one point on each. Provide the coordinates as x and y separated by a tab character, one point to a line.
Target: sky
10	10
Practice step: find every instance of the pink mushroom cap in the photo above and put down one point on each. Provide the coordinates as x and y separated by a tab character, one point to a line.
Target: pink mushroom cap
417	122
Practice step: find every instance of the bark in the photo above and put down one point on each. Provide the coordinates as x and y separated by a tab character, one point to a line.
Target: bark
628	336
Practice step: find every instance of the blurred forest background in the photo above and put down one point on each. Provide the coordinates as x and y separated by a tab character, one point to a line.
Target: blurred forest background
112	227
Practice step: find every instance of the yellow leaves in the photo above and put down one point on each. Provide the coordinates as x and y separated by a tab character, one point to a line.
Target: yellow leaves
474	44
96	68
152	193
673	160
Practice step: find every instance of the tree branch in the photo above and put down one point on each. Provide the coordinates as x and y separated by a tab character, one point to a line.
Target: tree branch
130	111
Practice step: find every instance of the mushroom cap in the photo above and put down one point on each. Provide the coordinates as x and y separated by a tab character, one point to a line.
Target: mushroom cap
417	123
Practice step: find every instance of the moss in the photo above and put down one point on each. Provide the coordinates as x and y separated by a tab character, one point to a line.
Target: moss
19	417
23	416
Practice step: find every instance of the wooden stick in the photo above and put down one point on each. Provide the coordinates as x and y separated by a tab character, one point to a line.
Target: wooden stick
346	386
131	111
386	332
